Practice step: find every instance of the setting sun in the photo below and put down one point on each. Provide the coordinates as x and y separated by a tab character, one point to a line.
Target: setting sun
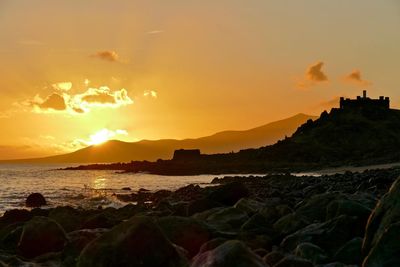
100	137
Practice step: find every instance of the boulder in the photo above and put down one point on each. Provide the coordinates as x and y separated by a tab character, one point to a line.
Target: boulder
290	223
293	261
15	216
39	236
68	217
227	218
229	194
248	205
185	232
201	205
136	242
314	208
35	200
311	252
212	244
386	213
385	252
350	253
273	257
230	253
330	235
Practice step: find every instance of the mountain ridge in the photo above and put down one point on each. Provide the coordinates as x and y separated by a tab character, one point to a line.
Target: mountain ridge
220	142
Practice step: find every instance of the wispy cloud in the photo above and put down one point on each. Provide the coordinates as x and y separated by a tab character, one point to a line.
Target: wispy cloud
155	32
150	93
108	55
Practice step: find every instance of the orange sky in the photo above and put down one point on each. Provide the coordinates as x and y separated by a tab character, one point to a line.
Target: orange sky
73	73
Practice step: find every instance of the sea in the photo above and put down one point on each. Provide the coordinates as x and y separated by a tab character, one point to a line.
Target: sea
82	188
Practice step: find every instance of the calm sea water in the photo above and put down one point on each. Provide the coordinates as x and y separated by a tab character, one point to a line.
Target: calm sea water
87	189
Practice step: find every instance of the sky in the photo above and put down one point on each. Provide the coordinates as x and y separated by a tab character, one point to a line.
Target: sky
77	72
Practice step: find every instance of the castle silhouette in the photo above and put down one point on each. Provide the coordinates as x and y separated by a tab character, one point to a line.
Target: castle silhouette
364	102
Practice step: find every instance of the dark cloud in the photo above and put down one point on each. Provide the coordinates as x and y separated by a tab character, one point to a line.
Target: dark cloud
108	55
53	101
315	73
355	77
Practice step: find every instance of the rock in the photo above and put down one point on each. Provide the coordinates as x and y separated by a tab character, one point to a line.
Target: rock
315	208
311	252
290	223
77	241
257	224
347	207
15	216
227	219
248	205
212	244
350	253
200	205
68	217
136	242
35	200
10	236
101	220
261	252
293	261
273	257
185	232
39	236
386	213
330	235
385	252
230	253
229	194
126	188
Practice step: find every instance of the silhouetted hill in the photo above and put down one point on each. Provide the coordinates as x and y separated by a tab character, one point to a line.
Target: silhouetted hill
223	142
343	136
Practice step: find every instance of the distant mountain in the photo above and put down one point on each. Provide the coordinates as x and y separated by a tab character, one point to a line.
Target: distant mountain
222	142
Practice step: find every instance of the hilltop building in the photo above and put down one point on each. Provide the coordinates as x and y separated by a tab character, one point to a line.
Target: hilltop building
364	101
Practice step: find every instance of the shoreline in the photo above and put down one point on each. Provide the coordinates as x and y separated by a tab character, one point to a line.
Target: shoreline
259	215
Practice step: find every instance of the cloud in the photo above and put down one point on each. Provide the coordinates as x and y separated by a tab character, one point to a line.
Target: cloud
62	86
355	78
150	93
315	73
102	97
108	55
155	32
52	102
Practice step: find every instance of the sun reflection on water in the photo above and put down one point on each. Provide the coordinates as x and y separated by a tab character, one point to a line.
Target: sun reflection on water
99	183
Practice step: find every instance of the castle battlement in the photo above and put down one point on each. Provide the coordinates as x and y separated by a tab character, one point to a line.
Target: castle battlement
364	101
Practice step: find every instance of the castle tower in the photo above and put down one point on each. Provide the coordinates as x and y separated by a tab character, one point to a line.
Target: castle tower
364	94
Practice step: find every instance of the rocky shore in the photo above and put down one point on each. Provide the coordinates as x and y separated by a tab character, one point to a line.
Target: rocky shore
350	219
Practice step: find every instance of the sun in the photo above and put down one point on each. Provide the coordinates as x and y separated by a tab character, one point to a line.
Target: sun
100	137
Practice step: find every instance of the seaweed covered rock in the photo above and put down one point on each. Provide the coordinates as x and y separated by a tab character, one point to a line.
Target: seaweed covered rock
230	253
39	236
136	242
35	200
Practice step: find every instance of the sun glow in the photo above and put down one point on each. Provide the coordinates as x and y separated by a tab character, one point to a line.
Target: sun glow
104	135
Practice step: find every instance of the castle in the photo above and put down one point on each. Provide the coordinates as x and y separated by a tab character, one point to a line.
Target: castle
364	101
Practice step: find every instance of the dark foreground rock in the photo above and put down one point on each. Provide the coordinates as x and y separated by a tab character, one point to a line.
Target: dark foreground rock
230	253
39	236
137	242
273	220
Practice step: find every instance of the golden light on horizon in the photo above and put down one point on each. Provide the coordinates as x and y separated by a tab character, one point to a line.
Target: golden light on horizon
101	137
